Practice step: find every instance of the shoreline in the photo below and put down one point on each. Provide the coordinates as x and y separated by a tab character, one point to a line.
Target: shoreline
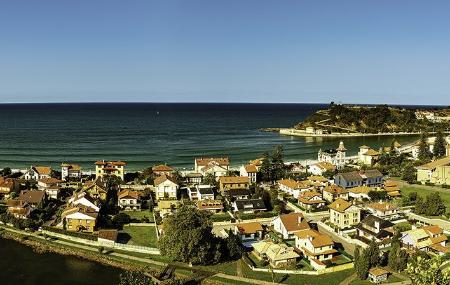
40	247
302	133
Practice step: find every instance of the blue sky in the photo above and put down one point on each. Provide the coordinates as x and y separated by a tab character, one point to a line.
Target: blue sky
225	51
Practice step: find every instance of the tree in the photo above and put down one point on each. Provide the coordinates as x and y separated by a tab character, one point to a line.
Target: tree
362	263
427	271
278	171
424	150
210	179
398	257
420	206
6	171
121	219
434	206
188	237
409	173
176	175
233	246
265	169
439	145
373	253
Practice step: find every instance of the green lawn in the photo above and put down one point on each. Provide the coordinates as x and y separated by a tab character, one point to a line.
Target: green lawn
139	215
145	236
424	192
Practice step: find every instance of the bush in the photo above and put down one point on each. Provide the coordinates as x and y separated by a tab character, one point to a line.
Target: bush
73	234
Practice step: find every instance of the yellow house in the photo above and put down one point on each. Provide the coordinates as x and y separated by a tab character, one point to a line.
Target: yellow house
109	168
233	182
437	172
79	218
343	214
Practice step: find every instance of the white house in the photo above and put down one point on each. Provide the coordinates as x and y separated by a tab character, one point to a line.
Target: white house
250	171
383	209
367	156
217	166
128	200
45	183
69	170
320	167
315	246
293	187
249	232
166	187
311	200
200	192
288	224
53	192
38	172
428	238
83	198
334	156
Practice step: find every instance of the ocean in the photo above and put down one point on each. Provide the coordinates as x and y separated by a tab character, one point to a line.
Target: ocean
145	134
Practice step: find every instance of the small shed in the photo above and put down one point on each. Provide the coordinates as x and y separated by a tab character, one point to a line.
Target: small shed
107	237
378	275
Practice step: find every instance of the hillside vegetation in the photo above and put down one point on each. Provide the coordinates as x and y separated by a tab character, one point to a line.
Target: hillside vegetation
368	119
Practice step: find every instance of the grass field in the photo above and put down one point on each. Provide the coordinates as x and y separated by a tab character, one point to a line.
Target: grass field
444	193
145	236
139	215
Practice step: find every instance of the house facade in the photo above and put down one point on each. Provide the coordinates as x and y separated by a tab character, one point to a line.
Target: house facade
233	182
334	156
436	172
129	200
288	224
110	168
217	166
333	192
372	177
343	214
165	187
79	218
250	171
69	170
315	246
37	172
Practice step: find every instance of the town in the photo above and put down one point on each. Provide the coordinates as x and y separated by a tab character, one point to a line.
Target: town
364	218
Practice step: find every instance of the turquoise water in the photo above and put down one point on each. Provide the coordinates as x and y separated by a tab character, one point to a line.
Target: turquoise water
144	134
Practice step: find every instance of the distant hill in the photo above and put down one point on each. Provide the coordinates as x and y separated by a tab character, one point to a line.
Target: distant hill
374	119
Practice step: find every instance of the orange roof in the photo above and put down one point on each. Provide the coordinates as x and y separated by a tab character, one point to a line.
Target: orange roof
317	178
163	178
50	180
250	168
294	222
361	189
71	166
382	206
293	184
317	239
372	152
210	204
434	230
335	189
162	167
325	165
219	160
116	163
378	271
43	170
249	228
234	179
340	205
128	193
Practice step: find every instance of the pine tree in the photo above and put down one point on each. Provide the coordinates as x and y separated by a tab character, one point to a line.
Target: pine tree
363	265
265	168
439	145
278	163
373	253
424	150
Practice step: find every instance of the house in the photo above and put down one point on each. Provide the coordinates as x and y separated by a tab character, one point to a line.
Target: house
79	218
292	187
375	228
216	166
107	237
201	192
257	162
166	187
53	192
83	198
214	206
38	172
194	178
250	171
367	156
34	198
18	208
168	207
311	200
278	255
428	238
378	275
320	168
162	170
315	246
383	210
343	214
372	177
334	156
360	192
45	183
317	181
69	170
288	224
333	192
296	168
249	232
97	188
109	168
436	172
8	185
129	200
392	188
249	206
233	182
238	194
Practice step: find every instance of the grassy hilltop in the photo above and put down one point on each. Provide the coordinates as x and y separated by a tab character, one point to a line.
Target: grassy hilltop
373	119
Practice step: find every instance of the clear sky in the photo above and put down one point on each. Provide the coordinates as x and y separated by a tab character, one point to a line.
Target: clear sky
225	51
